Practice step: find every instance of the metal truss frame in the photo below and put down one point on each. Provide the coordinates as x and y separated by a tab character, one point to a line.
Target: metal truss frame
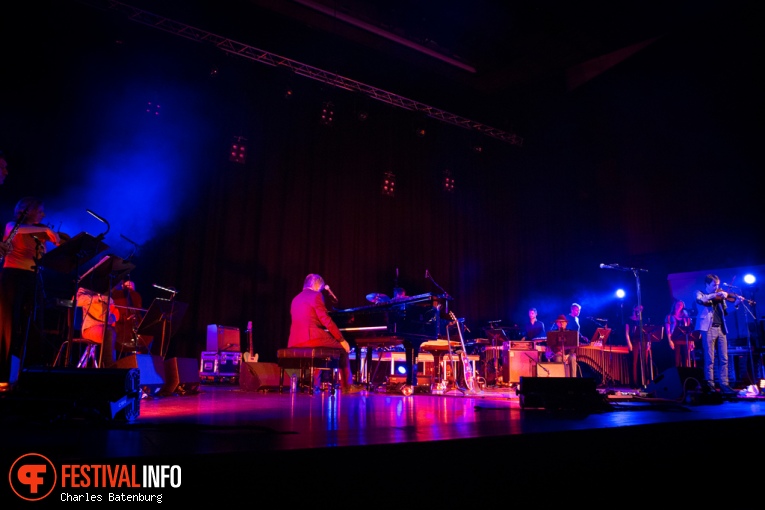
335	80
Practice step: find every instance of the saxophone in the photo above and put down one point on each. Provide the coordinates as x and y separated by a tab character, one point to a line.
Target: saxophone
13	233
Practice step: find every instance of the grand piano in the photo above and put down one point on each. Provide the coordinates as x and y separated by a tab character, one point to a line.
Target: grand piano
409	321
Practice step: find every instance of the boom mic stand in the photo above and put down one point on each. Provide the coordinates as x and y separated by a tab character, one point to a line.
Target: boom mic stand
636	271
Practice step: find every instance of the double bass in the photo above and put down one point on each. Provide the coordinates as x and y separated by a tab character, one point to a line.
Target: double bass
129	306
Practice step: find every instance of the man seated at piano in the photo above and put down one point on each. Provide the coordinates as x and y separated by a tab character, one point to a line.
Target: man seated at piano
313	327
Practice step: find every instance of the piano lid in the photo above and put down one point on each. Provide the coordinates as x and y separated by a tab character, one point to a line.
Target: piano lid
393	303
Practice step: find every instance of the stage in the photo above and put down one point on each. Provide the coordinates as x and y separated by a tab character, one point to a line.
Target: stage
225	434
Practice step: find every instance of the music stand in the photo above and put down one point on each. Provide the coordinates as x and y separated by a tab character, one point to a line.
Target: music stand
161	313
498	337
107	273
68	256
101	278
601	335
560	340
651	334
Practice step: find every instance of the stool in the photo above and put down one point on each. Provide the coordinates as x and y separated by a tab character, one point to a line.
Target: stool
89	356
308	359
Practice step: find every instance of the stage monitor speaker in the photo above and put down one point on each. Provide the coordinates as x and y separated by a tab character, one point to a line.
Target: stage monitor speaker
560	393
519	363
255	376
61	393
151	369
674	382
181	377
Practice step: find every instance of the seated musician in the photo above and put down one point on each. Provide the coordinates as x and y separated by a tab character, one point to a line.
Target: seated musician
534	327
94	310
567	356
313	327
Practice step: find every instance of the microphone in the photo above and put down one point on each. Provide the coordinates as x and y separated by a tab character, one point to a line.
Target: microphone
172	291
427	274
326	287
609	266
99	218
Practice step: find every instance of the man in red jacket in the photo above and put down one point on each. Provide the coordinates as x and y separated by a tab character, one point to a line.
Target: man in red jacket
313	327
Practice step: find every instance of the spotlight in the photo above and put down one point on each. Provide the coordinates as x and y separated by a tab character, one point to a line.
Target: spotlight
288	94
327	113
420	131
389	184
238	150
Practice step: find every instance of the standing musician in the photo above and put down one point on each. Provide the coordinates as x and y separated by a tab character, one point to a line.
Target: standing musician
21	293
129	304
713	308
677	325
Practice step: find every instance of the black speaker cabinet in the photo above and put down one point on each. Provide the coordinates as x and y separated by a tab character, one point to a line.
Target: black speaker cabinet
61	393
560	393
254	376
674	382
181	377
151	369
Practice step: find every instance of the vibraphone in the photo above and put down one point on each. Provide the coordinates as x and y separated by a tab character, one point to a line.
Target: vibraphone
613	362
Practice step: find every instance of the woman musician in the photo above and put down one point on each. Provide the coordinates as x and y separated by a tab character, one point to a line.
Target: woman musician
21	296
677	325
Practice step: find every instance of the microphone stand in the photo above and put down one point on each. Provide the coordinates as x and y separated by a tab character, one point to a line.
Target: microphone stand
636	271
445	295
749	336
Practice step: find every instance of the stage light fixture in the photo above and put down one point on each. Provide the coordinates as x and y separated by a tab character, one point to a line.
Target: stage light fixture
448	182
238	150
389	184
327	113
152	108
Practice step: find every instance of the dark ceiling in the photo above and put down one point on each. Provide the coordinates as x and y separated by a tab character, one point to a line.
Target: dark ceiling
499	63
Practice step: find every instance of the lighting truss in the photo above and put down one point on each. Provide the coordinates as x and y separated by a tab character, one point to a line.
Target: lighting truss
265	57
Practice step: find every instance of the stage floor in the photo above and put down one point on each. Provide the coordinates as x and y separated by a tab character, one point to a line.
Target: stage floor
221	426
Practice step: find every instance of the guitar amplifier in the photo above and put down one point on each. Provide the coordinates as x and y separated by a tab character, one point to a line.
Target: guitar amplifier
223	339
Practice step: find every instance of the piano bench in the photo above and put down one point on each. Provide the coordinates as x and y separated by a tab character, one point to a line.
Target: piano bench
308	359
